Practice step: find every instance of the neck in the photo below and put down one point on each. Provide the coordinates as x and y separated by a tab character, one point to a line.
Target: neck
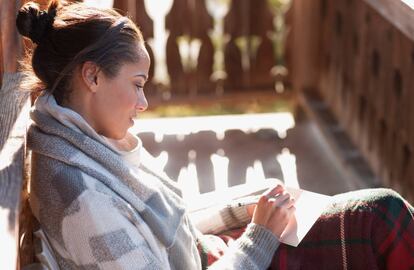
126	144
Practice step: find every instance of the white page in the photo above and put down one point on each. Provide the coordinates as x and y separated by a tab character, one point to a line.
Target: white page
309	207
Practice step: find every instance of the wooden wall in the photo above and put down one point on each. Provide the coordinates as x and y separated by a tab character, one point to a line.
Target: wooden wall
358	56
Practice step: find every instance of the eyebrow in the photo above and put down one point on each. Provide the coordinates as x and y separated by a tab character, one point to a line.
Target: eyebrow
142	75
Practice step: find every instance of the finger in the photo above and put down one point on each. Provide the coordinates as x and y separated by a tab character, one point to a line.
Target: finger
262	211
291	203
291	211
280	200
274	191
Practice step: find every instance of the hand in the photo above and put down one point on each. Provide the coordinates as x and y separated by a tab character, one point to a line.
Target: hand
273	210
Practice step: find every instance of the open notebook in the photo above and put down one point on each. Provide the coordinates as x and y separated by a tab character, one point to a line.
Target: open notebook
309	206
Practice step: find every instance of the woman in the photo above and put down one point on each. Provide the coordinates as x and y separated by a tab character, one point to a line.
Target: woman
100	204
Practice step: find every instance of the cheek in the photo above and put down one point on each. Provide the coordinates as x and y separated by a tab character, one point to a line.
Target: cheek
125	106
123	97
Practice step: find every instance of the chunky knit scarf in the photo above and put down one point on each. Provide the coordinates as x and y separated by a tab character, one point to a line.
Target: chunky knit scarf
98	213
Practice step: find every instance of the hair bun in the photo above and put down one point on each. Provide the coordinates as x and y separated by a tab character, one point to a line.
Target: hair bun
34	23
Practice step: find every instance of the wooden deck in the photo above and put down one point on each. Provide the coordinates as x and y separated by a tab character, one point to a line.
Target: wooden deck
253	147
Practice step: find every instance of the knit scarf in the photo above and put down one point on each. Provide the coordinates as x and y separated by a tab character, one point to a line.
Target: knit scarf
154	198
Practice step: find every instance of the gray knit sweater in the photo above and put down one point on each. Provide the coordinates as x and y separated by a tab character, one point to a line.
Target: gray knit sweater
97	213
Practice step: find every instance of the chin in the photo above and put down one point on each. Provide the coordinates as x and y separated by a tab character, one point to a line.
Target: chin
116	135
120	136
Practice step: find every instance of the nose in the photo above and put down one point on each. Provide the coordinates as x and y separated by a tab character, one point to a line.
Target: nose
142	103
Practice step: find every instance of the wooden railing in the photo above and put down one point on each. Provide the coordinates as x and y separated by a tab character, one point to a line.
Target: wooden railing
358	57
232	48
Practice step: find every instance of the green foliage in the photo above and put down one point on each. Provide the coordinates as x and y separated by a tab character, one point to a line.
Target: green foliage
222	108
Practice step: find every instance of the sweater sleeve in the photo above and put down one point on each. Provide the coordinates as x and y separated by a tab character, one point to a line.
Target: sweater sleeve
217	219
100	235
253	250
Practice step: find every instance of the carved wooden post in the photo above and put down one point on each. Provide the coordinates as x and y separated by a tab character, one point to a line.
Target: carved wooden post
203	23
174	23
262	57
235	25
13	120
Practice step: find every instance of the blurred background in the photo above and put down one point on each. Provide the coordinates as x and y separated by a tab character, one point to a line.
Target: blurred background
316	93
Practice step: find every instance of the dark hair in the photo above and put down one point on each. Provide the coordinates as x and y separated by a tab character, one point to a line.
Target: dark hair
67	35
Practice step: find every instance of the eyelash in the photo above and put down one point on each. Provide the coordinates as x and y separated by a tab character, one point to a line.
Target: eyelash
139	87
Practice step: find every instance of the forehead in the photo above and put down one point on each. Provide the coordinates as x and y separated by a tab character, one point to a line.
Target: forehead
138	67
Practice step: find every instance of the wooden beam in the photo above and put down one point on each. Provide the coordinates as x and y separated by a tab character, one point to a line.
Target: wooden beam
398	14
11	44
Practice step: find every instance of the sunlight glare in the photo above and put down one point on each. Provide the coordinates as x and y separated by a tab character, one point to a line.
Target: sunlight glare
409	3
220	169
161	160
99	3
287	162
187	181
280	122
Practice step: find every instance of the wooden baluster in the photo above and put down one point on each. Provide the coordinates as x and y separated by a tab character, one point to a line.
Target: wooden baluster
177	27
235	25
178	154
234	70
146	25
203	23
144	22
126	8
137	12
121	6
264	58
288	51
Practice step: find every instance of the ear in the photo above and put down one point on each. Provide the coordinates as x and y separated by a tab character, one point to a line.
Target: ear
89	74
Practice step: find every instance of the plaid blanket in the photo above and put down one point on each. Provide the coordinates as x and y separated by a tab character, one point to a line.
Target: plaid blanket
366	229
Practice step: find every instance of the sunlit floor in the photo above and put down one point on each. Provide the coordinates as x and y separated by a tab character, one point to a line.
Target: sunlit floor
214	152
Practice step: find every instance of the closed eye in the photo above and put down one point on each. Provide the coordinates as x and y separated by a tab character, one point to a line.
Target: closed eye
139	87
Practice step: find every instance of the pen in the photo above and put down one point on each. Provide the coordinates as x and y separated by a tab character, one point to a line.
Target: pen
246	202
253	200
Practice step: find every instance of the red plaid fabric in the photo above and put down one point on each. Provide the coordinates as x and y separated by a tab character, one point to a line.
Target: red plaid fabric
367	229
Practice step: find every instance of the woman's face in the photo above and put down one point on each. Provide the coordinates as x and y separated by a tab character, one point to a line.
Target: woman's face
118	100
